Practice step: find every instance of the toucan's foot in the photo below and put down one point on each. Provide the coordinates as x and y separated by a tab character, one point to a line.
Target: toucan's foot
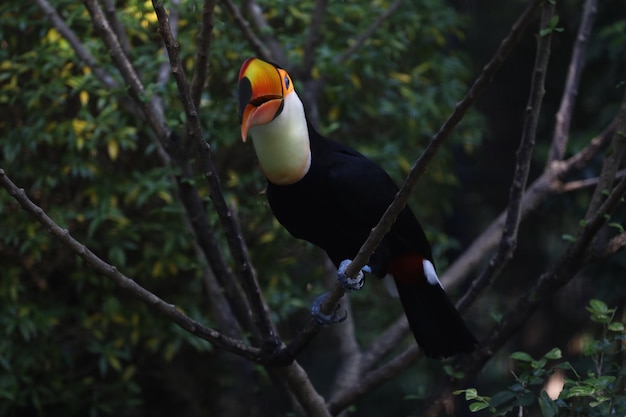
326	319
351	284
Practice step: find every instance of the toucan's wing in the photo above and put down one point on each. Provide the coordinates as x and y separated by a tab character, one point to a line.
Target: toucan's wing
365	190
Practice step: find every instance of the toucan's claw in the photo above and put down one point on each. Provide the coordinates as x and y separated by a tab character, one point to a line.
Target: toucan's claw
351	284
326	319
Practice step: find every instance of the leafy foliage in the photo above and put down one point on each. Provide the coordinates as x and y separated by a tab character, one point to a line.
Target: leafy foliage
597	389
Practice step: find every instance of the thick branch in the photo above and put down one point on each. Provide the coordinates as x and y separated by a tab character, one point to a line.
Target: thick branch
127	284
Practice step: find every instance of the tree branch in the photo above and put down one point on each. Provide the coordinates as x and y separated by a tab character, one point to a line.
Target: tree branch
587	182
83	54
374	379
611	161
109	10
205	37
235	241
300	384
278	55
127	284
564	115
259	49
612	246
165	70
312	38
360	40
508	242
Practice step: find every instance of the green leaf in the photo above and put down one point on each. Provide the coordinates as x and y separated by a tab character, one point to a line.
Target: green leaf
501	398
579	391
477	406
471	393
598	306
555	353
616	327
547	406
522	356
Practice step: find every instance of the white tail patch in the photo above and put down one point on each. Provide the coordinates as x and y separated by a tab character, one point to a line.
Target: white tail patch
390	286
429	272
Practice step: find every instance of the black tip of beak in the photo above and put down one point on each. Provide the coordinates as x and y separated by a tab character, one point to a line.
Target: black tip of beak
245	94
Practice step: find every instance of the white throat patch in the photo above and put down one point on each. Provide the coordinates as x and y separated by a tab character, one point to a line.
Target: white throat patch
282	145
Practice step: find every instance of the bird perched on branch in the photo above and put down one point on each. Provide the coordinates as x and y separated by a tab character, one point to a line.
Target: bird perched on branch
332	196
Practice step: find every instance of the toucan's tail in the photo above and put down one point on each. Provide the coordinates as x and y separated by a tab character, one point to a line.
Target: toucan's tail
436	324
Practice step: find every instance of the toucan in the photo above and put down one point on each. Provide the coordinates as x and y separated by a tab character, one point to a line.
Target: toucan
328	194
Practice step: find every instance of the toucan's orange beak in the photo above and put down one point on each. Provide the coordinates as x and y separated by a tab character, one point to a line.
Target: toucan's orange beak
261	93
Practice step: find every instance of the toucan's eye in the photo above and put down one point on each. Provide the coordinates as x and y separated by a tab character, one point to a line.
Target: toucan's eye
286	83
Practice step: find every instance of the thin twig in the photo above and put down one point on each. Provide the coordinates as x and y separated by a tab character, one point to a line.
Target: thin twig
256	14
127	284
360	40
205	37
313	36
587	182
259	49
611	161
574	72
234	239
508	242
